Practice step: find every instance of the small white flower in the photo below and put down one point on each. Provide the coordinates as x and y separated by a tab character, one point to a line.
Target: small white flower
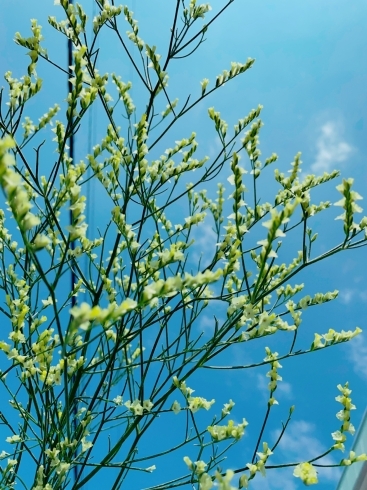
118	400
13	439
176	407
47	302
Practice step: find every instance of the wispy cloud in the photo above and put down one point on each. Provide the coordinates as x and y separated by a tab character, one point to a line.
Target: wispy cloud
348	295
331	148
207	322
297	444
215	147
279	479
300	444
205	243
358	355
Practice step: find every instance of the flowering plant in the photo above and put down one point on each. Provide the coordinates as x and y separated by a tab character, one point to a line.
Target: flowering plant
99	325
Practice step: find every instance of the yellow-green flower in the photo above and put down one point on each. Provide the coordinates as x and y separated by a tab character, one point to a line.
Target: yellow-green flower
307	473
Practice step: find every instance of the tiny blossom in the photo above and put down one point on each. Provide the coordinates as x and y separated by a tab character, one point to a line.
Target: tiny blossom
47	302
224	482
353	458
273	374
197	402
188	462
41	241
118	400
176	407
263	457
198	467
147	405
13	439
344	416
62	468
136	408
227	408
205	482
86	445
243	482
221	432
307	473
186	391
252	468
204	83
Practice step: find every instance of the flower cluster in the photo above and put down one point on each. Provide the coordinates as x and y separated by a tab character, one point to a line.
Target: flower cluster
195	403
84	315
307	473
30	128
344	416
274	230
165	168
222	482
353	458
227	408
244	122
33	44
198	467
229	431
78	227
133	35
220	125
155	65
11	182
259	466
272	374
107	13
40	480
348	203
172	285
124	228
123	90
137	408
194	11
77	81
333	337
236	69
318	299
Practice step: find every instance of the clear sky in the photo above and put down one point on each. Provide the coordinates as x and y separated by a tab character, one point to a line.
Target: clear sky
311	77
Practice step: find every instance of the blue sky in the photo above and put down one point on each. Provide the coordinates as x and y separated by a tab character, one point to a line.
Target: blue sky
311	77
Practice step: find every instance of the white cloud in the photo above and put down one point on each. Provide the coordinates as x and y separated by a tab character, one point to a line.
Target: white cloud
358	355
331	148
278	479
207	323
348	295
299	444
205	243
215	148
